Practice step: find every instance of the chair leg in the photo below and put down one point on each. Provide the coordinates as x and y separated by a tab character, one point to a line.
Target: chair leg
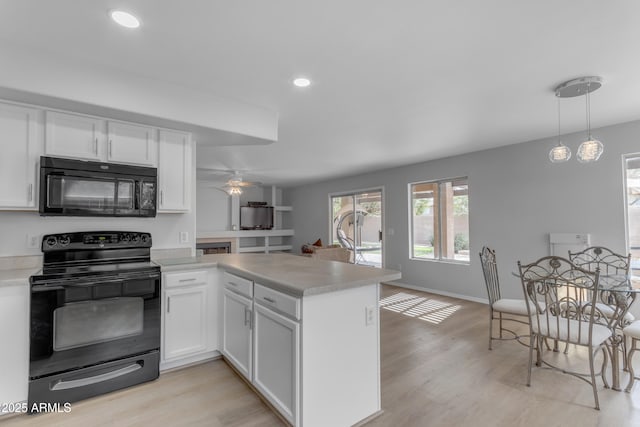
500	325
593	379
605	361
629	358
490	327
531	341
624	352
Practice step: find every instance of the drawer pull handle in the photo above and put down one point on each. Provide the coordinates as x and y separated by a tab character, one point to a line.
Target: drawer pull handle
187	280
271	300
233	284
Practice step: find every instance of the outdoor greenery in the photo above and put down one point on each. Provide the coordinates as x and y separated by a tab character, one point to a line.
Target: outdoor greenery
460	242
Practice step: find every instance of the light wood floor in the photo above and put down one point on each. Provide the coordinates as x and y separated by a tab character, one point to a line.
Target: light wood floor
436	371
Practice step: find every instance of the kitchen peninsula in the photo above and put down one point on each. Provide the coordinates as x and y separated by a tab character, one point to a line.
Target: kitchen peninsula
303	332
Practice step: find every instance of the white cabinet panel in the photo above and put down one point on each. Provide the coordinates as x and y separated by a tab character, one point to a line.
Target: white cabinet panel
14	343
71	135
174	171
20	151
185	323
130	143
236	337
276	360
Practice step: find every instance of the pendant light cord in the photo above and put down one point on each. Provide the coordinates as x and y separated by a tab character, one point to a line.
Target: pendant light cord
589	112
558	98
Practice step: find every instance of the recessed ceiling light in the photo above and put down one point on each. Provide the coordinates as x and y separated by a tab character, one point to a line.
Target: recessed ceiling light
124	18
301	82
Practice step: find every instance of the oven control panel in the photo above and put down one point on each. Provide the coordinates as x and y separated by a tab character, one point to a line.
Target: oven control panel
96	240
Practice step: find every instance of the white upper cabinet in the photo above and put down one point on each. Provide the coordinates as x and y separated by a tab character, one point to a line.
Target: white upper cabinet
20	140
174	171
131	143
73	135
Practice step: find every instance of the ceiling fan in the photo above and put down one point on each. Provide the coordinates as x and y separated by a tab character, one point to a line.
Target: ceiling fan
232	181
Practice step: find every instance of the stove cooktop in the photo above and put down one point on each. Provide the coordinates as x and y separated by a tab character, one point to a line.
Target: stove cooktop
95	271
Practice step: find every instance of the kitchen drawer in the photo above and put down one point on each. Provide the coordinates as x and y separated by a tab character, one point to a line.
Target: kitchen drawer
238	284
273	299
186	278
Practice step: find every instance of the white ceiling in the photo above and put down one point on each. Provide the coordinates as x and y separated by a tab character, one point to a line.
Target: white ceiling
395	82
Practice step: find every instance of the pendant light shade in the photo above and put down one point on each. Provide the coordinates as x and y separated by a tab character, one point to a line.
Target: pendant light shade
590	151
560	153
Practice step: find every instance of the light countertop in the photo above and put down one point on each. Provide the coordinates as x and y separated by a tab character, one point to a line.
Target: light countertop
17	276
294	275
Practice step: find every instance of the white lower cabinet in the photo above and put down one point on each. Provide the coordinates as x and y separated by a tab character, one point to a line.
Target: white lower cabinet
185	322
261	339
189	312
236	336
14	343
277	360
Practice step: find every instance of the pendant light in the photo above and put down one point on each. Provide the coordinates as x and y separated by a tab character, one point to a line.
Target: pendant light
591	149
560	153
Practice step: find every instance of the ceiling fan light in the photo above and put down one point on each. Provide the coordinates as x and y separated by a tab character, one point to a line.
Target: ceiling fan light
560	153
235	191
590	151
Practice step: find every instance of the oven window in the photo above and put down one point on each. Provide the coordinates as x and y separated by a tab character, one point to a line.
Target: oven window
78	192
92	322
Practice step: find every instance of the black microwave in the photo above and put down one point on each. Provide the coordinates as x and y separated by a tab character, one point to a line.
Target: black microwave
71	187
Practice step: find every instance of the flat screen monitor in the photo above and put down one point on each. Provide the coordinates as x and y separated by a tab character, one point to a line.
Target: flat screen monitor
256	217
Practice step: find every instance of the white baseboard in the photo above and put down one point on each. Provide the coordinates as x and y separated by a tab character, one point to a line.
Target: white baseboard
189	361
438	292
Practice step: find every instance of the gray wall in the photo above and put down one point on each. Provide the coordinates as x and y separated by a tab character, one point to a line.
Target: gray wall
516	198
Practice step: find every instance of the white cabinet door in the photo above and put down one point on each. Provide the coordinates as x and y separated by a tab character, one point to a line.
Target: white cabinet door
71	135
174	171
20	152
130	143
185	321
276	360
236	335
14	343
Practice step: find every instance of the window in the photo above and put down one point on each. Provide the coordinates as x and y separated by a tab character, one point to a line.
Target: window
440	220
632	178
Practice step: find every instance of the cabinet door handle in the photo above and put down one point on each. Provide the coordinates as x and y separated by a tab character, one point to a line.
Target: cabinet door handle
247	317
95	146
233	284
193	279
30	192
110	149
168	304
271	300
161	198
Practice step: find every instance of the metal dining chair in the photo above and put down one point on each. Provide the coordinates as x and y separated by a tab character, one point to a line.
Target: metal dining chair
610	264
560	300
498	306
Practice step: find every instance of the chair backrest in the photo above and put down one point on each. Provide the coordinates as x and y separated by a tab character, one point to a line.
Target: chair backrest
603	258
344	240
561	299
490	272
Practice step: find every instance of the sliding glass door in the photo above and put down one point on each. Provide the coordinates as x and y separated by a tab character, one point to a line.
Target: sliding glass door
356	224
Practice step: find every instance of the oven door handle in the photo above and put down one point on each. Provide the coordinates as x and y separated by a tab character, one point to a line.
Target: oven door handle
65	385
46	288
